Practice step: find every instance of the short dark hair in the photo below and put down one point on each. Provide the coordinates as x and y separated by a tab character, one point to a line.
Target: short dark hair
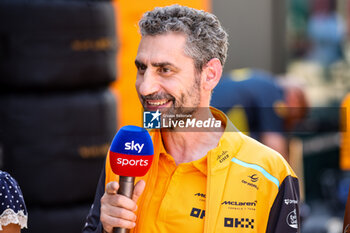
206	38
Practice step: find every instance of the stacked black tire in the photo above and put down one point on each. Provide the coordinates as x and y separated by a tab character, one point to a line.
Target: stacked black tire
57	115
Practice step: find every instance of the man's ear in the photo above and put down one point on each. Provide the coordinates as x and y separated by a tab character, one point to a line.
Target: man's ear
211	74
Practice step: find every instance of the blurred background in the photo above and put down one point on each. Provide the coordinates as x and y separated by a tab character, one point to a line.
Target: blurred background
67	85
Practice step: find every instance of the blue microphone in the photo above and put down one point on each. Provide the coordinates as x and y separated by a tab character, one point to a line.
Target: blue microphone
131	155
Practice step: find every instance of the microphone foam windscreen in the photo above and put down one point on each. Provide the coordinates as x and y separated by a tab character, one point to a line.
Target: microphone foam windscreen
131	151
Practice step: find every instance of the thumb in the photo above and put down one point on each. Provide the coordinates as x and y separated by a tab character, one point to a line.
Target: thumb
138	190
112	187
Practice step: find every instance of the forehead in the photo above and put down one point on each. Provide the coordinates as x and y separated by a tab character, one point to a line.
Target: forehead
159	48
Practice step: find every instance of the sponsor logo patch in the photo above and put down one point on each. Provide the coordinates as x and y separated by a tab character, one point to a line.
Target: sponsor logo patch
239	223
240	205
223	156
201	195
252	181
290	201
292	219
254	178
250	184
197	213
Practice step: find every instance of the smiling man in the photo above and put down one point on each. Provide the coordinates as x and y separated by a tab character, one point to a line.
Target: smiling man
212	180
166	76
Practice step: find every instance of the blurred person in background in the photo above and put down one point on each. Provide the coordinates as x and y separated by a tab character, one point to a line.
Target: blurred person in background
262	105
326	31
13	212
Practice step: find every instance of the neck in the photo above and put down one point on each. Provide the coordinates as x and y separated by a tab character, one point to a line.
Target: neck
189	145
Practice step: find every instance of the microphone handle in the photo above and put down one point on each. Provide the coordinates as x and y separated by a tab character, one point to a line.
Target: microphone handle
126	188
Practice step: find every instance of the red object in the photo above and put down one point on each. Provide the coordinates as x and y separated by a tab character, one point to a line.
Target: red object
130	165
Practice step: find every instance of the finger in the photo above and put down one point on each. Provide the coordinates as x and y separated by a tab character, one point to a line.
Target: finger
112	187
122	202
118	212
138	190
109	223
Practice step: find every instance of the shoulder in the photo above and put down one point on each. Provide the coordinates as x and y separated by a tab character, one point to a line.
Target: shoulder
7	182
10	192
12	206
262	157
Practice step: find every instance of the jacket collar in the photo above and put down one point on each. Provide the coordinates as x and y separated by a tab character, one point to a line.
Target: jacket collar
228	146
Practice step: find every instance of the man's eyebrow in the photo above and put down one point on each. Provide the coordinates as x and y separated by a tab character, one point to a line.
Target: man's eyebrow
138	63
162	64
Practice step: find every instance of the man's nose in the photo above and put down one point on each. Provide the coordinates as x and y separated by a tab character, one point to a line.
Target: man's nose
149	84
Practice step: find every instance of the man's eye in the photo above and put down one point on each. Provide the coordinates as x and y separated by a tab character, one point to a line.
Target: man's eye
141	68
165	70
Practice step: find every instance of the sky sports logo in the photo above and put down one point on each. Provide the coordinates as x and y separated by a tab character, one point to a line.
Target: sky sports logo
133	161
134	146
157	120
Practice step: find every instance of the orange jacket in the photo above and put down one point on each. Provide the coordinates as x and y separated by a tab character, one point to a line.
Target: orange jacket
240	186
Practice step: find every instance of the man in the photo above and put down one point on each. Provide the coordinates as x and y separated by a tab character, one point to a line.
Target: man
214	180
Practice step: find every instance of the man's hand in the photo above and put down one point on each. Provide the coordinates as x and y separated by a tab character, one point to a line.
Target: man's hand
118	210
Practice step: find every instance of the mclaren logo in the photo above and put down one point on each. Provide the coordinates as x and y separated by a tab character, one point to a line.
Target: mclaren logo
239	203
254	178
200	195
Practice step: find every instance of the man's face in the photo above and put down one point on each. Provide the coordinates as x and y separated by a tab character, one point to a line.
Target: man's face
166	77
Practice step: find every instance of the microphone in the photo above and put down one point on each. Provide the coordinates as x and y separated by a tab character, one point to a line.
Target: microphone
131	155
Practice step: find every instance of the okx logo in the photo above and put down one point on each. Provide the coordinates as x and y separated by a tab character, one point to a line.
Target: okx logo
151	120
239	223
197	213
